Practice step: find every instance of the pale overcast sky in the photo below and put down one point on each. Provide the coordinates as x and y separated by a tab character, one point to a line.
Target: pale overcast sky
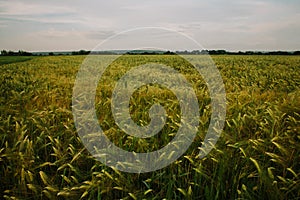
35	25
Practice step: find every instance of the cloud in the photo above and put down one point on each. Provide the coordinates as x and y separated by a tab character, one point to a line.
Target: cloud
99	35
86	35
53	33
226	24
21	8
42	13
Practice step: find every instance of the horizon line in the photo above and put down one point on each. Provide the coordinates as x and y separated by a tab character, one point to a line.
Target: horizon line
113	50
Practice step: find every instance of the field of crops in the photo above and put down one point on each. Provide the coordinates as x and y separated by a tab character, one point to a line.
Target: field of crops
256	157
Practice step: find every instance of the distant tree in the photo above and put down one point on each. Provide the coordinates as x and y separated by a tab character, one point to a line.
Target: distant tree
12	53
81	52
217	52
204	52
249	52
195	52
51	54
4	53
296	53
24	53
169	53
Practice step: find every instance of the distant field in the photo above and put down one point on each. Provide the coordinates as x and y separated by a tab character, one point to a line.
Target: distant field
257	156
13	59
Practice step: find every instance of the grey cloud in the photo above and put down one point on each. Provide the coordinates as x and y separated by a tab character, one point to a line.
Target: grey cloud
226	24
99	35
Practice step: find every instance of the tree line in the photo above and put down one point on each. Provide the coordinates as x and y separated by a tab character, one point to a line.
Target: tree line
138	52
224	52
18	53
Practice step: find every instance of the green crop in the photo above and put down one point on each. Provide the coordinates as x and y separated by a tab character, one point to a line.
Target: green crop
256	157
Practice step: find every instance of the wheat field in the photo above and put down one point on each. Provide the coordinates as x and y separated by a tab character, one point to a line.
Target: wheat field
256	157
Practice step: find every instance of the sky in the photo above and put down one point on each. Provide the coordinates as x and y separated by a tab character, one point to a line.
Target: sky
233	25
